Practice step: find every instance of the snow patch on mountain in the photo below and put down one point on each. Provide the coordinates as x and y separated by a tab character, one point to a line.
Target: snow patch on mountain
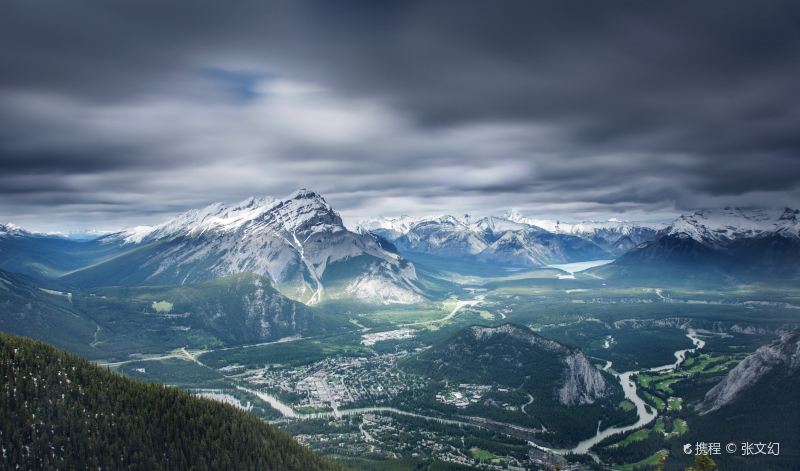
446	235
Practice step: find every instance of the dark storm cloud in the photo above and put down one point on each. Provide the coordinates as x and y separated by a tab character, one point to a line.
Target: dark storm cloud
125	109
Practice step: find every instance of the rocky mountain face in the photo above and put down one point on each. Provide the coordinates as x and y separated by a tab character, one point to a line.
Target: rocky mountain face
299	243
583	383
491	240
720	228
508	354
445	236
741	244
781	357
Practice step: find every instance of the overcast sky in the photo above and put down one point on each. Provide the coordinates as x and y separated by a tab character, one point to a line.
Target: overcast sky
117	113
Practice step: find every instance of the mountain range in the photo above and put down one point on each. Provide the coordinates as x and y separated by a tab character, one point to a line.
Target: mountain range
298	243
301	247
489	240
734	244
613	235
731	243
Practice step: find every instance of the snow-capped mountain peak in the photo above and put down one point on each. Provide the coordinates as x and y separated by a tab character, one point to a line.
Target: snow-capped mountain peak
489	239
293	241
10	229
720	226
300	211
546	224
306	210
214	217
399	224
496	224
789	223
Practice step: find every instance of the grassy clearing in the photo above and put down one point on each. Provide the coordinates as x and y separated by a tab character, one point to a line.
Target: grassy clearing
674	404
406	315
664	386
679	427
484	456
654	401
637	436
626	405
641	435
659	426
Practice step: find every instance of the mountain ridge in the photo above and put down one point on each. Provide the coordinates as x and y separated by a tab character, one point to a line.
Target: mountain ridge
782	356
574	379
729	243
491	239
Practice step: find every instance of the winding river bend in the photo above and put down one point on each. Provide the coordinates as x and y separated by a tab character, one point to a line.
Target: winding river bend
645	413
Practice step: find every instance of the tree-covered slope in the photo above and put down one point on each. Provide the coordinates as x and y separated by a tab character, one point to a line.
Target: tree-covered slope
116	322
731	245
510	355
28	309
58	411
241	308
546	383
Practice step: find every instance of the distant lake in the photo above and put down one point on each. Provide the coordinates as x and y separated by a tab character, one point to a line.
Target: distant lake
576	267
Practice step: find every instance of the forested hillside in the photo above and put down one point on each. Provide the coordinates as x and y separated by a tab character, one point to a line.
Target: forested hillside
58	411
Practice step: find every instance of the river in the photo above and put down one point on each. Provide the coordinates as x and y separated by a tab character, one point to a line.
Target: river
645	413
680	355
